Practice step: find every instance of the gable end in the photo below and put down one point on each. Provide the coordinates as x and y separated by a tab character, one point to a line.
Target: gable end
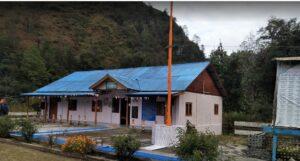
205	84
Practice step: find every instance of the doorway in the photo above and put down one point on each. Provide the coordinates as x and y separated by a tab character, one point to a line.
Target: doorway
125	112
53	108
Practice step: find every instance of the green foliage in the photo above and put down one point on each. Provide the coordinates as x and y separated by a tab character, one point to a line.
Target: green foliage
40	45
6	126
33	67
125	146
249	74
194	146
27	129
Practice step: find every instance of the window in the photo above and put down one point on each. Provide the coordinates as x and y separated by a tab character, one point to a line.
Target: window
216	109
160	110
111	85
135	112
99	109
115	105
72	105
188	109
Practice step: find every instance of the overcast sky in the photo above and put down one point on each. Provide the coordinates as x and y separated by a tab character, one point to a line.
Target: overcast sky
228	22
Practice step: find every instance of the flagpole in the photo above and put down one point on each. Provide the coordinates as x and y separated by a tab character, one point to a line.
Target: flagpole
170	47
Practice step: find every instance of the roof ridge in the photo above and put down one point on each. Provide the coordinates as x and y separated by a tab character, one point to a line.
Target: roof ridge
206	61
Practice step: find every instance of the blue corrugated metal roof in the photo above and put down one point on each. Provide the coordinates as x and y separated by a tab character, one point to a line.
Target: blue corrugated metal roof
141	78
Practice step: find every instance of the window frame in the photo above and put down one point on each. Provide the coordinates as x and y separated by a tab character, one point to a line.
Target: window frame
188	108
135	112
72	104
115	109
110	85
216	109
99	103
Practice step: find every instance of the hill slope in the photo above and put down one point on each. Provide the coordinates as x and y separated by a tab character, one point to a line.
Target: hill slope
40	42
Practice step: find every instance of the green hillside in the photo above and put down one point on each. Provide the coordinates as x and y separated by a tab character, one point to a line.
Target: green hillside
40	42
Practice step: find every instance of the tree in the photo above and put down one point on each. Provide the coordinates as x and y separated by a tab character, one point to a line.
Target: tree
33	68
219	59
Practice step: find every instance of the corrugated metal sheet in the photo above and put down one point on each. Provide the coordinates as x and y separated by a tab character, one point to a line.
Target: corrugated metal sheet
141	78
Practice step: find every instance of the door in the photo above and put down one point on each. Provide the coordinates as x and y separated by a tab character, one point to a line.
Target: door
53	108
124	114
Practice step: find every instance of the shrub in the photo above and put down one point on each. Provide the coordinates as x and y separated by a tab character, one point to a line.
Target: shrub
27	129
6	126
125	146
194	146
78	144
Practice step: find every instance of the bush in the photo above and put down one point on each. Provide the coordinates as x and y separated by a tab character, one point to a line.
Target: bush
6	126
78	144
27	129
194	146
125	146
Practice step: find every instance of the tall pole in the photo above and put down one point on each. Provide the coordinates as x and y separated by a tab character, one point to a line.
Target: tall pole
168	111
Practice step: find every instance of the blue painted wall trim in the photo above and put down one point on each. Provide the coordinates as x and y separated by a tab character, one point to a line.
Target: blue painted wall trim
149	109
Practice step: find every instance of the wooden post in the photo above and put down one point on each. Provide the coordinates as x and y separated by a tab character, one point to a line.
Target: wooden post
95	109
127	113
143	125
68	111
168	111
85	123
133	124
78	120
53	118
70	120
60	118
46	109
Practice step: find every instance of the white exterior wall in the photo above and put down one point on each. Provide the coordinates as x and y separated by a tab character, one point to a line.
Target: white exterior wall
84	108
137	101
203	116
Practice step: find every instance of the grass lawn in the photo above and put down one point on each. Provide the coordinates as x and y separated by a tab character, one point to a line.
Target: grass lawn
16	153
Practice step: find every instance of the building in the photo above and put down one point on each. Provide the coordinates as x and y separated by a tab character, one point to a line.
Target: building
137	96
